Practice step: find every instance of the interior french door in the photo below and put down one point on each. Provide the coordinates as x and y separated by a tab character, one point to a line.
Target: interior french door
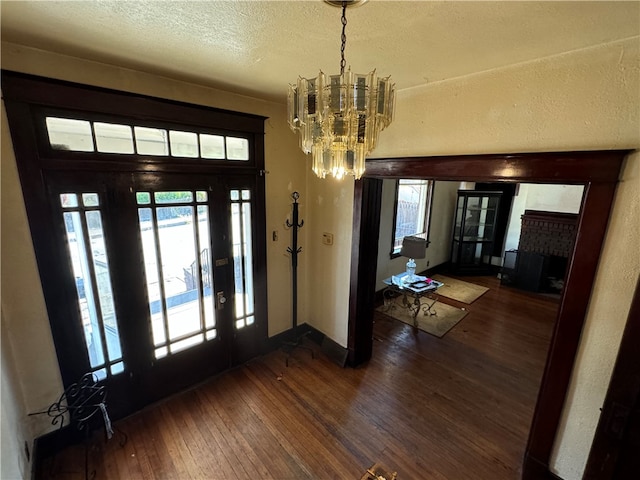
161	277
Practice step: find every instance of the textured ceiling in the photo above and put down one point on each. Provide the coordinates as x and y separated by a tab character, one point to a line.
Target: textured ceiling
258	47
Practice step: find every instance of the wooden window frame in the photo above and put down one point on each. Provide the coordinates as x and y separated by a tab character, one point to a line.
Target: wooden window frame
427	216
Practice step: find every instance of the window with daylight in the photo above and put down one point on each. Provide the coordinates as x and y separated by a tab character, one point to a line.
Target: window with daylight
77	135
412	211
82	218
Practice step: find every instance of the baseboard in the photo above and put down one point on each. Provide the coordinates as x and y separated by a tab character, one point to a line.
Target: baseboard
51	444
533	469
330	348
334	351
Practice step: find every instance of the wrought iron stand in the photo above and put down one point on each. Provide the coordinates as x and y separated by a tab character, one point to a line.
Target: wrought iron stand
83	402
294	250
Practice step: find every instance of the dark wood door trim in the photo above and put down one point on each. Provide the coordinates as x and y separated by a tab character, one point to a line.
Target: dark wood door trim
364	263
598	171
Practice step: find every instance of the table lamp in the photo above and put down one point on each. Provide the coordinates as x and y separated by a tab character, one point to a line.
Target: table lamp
413	247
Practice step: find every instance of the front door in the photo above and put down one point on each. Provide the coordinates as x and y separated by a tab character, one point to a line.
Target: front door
161	277
148	224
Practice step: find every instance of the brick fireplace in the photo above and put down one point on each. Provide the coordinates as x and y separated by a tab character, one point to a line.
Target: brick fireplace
546	242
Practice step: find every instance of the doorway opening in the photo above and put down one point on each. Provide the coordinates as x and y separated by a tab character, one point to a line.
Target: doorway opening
596	171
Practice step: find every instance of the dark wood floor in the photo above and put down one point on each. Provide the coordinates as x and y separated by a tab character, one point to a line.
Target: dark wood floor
452	408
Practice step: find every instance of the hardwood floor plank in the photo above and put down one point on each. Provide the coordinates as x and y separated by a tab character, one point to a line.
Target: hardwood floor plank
296	422
457	407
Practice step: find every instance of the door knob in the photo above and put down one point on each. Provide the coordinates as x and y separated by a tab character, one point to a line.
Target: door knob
220	300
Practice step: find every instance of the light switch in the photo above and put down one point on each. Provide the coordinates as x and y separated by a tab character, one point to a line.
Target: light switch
327	238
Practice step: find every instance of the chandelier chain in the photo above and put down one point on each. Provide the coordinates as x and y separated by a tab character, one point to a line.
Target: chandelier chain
343	62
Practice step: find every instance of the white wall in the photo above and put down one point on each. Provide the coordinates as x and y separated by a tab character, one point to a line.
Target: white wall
439	250
330	209
13	460
548	198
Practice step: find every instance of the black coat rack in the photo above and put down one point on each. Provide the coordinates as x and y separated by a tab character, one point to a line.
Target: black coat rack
294	250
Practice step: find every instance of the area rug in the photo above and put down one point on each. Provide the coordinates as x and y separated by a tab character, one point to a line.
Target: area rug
445	319
459	290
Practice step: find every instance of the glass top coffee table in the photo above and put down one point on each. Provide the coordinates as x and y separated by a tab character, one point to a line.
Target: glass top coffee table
419	295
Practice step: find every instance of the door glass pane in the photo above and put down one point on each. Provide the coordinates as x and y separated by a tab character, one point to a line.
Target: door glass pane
205	265
173	197
143	198
242	257
69	200
90	264
90	200
177	254
147	235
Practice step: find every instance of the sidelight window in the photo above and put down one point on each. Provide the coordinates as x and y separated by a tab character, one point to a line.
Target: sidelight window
86	246
242	257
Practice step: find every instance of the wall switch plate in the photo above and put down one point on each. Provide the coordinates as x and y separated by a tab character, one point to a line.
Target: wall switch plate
327	238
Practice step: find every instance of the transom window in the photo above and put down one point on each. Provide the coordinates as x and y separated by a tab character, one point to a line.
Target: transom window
412	211
89	136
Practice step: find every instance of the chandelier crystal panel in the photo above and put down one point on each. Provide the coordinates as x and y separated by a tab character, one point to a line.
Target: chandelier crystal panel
339	117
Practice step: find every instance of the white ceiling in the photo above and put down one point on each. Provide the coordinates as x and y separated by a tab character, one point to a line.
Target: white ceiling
258	47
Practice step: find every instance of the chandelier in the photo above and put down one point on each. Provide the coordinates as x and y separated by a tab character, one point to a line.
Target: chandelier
339	117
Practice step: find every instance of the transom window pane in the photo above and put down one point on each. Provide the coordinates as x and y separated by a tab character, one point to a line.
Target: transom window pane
151	141
112	138
212	146
68	134
237	148
183	144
